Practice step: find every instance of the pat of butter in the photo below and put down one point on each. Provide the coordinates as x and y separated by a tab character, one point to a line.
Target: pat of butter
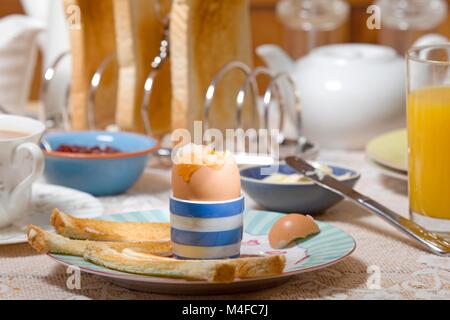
321	171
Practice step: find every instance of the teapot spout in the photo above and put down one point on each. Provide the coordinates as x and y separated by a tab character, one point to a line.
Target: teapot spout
275	58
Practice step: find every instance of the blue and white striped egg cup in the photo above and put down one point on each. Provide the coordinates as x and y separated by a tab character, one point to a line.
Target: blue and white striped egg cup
206	230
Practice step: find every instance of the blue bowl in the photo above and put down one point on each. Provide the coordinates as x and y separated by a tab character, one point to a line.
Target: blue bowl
98	174
303	198
206	230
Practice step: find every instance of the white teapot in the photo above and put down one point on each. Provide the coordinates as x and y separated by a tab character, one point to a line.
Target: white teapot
54	42
349	92
18	52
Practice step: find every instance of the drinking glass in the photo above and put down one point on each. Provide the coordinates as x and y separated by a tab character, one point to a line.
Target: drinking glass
404	21
428	113
312	23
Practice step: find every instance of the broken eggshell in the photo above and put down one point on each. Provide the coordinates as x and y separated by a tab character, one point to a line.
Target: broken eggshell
290	227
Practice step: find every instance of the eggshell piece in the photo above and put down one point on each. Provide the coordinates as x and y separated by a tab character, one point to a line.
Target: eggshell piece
291	227
208	183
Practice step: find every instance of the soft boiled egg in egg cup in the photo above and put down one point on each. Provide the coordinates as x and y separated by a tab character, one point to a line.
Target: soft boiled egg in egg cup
206	209
201	173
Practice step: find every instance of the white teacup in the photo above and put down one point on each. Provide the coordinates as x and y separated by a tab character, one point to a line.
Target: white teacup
21	164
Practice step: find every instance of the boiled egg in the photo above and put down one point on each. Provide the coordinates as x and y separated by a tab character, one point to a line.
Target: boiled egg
290	227
201	173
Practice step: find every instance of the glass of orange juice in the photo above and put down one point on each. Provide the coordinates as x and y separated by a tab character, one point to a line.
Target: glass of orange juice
428	113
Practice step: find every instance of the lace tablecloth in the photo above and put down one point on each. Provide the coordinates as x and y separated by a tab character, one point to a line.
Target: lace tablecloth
385	265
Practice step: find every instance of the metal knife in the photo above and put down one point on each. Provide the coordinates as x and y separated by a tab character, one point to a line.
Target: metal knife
431	241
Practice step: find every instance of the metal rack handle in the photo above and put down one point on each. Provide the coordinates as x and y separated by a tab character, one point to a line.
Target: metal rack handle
274	86
164	53
251	82
94	84
210	92
47	79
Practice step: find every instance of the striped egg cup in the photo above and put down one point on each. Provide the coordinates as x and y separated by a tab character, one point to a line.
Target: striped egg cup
206	230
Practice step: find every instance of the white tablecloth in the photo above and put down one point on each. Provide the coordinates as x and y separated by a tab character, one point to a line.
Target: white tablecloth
385	265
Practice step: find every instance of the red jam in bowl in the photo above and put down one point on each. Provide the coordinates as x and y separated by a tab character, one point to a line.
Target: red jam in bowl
87	150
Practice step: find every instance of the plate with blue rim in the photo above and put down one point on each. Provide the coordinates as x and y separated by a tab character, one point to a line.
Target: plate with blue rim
316	252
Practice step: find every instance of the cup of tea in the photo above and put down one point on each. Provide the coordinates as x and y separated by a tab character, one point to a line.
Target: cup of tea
21	164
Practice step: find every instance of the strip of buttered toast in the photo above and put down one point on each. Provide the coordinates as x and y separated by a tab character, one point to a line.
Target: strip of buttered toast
255	267
248	267
100	230
47	242
220	271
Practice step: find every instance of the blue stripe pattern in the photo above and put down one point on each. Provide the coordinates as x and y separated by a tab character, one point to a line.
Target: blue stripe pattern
206	239
193	239
206	209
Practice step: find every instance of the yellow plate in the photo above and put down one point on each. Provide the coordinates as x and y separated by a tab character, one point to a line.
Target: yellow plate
390	150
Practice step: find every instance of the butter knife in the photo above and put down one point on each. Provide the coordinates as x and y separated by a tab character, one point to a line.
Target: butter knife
431	241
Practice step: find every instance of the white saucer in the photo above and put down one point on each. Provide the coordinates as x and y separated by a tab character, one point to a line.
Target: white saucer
45	198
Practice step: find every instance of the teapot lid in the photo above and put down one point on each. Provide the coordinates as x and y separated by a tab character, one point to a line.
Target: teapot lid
354	53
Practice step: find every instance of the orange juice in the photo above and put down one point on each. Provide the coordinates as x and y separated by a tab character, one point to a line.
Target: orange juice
429	151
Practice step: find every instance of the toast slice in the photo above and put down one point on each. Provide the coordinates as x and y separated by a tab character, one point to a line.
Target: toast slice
47	242
219	271
249	267
100	230
92	40
204	36
138	35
